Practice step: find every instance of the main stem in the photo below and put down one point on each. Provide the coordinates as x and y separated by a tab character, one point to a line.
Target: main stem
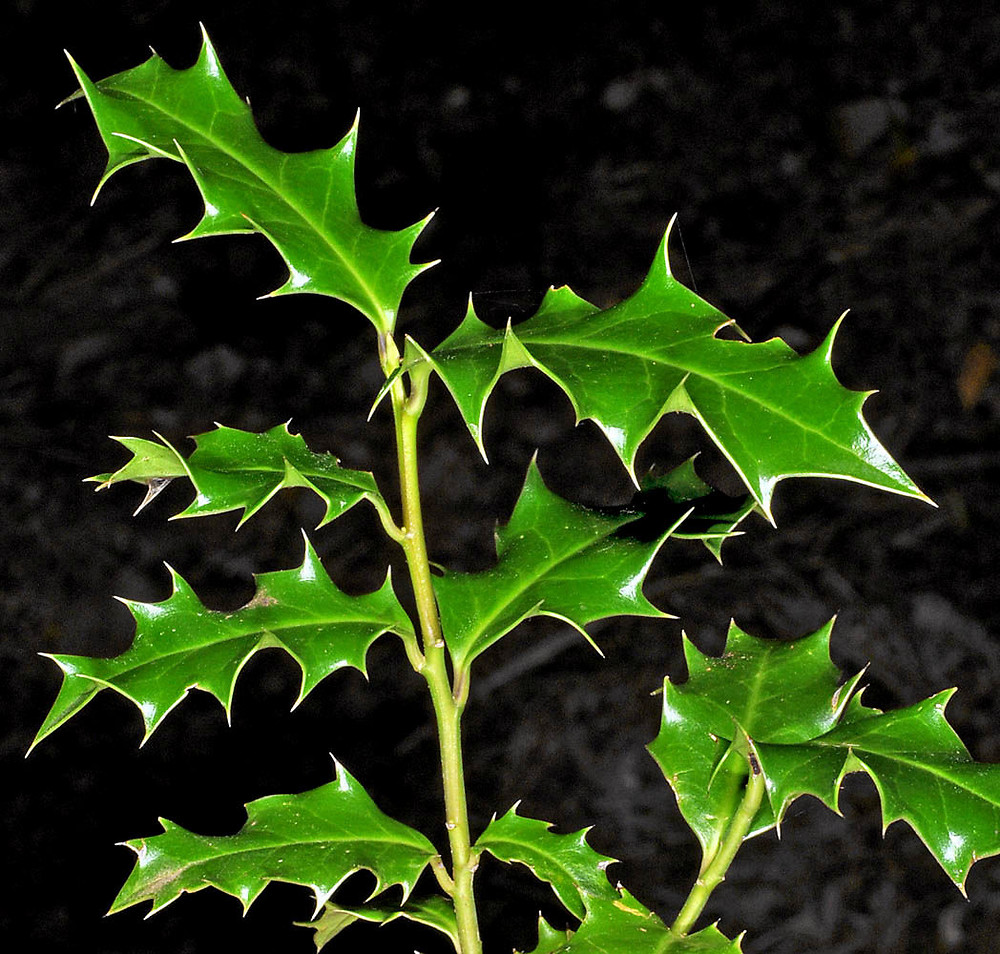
448	706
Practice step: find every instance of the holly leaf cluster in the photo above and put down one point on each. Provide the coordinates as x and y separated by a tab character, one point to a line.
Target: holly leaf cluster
809	730
774	708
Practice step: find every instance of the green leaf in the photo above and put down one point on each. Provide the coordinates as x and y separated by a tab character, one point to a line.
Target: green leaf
232	469
317	839
180	645
555	558
924	775
622	925
304	203
808	734
575	871
435	912
706	772
775	690
773	413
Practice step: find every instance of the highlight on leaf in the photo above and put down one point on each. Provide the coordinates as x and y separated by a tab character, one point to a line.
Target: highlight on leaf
809	732
304	203
181	645
318	839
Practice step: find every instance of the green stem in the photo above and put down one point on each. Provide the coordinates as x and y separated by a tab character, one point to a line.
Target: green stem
715	872
433	665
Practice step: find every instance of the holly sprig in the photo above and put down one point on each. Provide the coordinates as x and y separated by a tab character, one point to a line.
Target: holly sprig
747	733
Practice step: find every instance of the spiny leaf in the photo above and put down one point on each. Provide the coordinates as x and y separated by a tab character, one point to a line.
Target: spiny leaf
304	203
435	912
772	412
775	690
232	469
925	777
622	925
317	839
808	735
181	645
554	559
575	871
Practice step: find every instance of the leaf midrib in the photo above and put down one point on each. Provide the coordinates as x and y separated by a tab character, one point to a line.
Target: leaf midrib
720	379
854	748
266	471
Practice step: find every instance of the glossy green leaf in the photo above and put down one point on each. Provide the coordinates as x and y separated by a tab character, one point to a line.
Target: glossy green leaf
555	558
435	912
575	871
924	775
180	645
775	690
809	733
304	202
232	469
317	839
772	412
622	925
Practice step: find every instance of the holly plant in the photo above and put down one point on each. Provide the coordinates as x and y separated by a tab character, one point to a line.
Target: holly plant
748	732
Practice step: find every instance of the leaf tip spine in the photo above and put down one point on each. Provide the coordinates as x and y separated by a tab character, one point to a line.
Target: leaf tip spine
825	350
664	250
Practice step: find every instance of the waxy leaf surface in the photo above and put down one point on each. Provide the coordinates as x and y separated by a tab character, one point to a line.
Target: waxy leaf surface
808	734
435	912
555	558
180	645
317	839
772	412
624	926
575	871
231	469
304	202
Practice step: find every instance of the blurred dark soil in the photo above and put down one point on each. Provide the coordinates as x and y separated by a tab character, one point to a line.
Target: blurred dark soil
820	157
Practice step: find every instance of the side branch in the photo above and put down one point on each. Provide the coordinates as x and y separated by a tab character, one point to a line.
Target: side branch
715	873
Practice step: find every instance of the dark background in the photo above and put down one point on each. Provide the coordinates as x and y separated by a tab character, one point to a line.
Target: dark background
821	157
